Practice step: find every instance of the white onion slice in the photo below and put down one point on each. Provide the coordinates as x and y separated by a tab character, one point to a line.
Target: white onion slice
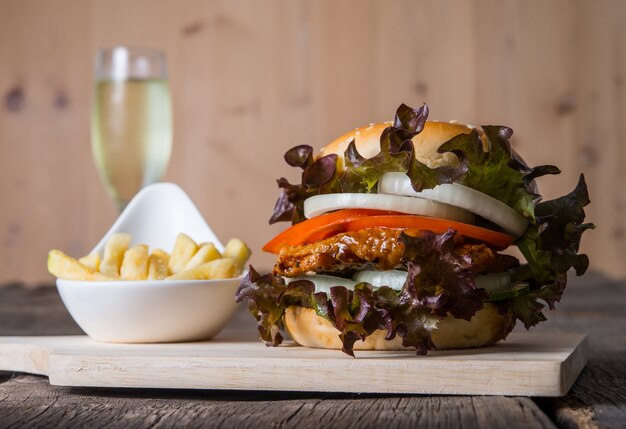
323	283
494	282
460	196
320	204
395	279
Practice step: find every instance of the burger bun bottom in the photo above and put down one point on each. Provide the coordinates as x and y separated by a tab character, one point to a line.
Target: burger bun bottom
486	327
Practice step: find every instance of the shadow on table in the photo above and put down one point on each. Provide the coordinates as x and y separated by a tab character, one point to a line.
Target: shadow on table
216	395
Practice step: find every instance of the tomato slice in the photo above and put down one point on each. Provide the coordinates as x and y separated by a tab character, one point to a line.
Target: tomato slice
496	239
334	223
318	228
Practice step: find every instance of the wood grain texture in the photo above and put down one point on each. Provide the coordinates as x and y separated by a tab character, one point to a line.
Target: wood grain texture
251	79
28	401
26	310
593	305
524	364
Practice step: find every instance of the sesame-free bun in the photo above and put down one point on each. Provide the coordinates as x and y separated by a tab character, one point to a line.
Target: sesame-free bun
486	327
434	134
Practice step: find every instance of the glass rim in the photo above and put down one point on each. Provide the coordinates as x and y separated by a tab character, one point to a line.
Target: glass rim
122	62
131	49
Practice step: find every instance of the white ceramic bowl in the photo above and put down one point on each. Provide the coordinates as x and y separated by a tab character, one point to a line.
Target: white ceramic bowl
141	312
153	311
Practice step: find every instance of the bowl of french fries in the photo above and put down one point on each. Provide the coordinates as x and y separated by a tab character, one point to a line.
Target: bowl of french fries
146	283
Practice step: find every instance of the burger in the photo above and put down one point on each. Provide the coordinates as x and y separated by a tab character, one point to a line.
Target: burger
400	238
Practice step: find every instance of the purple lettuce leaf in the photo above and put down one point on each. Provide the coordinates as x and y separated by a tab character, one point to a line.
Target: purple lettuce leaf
439	279
396	152
550	244
550	247
439	284
360	175
268	296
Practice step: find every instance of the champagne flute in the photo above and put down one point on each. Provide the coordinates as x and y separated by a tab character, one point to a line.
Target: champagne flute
131	122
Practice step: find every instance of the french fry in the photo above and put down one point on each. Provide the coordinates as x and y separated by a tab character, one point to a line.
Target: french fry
223	268
114	250
65	267
206	253
188	261
135	263
183	251
92	261
237	251
157	265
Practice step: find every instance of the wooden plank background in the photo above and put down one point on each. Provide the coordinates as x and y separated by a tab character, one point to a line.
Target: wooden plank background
251	79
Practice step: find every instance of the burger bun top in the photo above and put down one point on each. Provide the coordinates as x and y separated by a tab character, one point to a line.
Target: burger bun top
434	134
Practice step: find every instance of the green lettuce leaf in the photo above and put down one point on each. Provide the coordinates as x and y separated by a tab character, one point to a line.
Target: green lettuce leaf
500	172
396	152
360	175
364	173
551	242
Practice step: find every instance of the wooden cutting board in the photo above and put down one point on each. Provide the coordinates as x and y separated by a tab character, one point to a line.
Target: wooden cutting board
532	364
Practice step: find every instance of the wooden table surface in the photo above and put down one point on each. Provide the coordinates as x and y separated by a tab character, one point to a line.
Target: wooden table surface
594	305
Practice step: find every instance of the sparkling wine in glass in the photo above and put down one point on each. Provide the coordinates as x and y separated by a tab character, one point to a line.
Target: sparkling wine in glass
131	123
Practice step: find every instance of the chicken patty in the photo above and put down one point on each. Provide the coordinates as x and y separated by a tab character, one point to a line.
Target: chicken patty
374	248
